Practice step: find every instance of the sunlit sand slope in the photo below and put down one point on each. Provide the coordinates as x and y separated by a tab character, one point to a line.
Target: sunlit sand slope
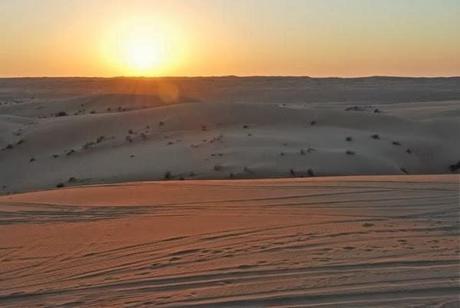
66	132
348	242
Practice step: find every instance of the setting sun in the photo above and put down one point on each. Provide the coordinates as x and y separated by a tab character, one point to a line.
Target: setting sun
142	54
141	48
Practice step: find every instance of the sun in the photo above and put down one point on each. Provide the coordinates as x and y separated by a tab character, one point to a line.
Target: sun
142	53
140	48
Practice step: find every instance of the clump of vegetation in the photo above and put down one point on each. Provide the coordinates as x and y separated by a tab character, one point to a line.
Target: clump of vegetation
88	145
302	152
61	114
282	154
161	123
455	167
245	126
9	147
32	159
100	139
376	110
204	128
375	136
396	143
292	172
55	155
72	179
403	170
348	152
72	151
247	170
312	123
310	172
409	151
218	167
129	139
167	175
21	141
231	175
349	139
60	185
367	225
192	174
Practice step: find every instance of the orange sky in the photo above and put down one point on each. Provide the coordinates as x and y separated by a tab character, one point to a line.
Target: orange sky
229	37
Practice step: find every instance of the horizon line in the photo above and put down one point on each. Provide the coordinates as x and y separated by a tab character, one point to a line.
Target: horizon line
232	76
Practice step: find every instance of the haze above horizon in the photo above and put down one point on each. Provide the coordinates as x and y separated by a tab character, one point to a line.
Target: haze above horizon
344	38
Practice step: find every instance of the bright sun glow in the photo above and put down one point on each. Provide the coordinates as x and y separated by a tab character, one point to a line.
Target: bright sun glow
142	49
143	53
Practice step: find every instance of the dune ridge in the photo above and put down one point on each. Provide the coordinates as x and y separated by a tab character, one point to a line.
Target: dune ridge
76	131
362	241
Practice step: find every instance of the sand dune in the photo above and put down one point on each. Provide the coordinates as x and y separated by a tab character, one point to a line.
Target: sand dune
63	132
348	242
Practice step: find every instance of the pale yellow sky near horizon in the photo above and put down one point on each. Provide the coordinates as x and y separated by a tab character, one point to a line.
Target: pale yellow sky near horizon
229	37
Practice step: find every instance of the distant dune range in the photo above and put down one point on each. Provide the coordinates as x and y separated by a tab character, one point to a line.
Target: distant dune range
75	131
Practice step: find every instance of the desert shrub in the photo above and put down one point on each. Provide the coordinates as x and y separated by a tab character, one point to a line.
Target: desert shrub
312	123
218	167
310	172
396	143
70	152
349	139
167	175
455	167
72	179
60	185
409	151
32	159
375	136
348	152
302	152
61	114
292	172
404	170
88	145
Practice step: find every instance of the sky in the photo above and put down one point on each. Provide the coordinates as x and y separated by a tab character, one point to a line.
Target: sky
229	37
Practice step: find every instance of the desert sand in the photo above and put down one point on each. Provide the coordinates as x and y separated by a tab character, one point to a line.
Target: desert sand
381	241
75	131
230	191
